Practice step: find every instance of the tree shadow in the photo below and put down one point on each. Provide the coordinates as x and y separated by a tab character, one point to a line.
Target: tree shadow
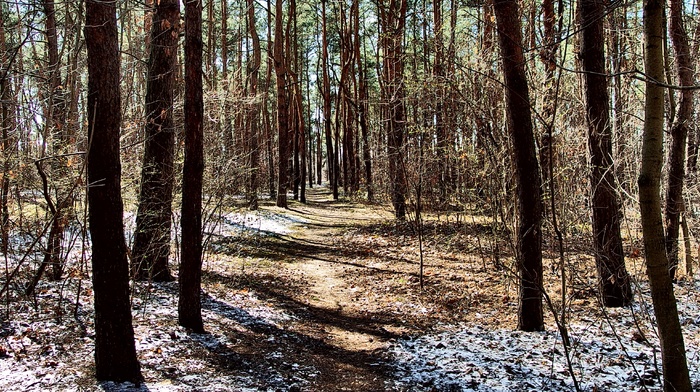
274	356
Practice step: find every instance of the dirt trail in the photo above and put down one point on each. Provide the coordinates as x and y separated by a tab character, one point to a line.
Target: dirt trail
346	275
325	267
314	272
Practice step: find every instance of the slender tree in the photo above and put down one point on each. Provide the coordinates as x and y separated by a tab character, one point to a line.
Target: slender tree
282	107
530	316
115	352
685	70
613	280
56	132
7	123
151	248
675	367
253	69
190	274
362	103
326	94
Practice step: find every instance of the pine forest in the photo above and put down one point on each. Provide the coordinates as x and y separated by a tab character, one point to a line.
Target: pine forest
349	195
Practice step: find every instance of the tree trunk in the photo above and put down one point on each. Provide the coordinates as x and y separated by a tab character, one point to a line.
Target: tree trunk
269	136
254	109
151	248
190	274
393	21
679	133
327	104
530	316
363	105
57	133
613	281
282	107
8	134
675	367
115	352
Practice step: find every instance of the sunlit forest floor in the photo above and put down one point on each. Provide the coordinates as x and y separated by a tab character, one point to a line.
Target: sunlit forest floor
326	296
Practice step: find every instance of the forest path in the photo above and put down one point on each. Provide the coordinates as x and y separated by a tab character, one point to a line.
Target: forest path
340	279
327	268
310	262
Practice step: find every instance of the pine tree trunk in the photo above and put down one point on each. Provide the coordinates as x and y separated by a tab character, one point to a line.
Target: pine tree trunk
530	316
282	108
151	248
393	19
327	104
115	352
253	153
613	280
8	126
190	273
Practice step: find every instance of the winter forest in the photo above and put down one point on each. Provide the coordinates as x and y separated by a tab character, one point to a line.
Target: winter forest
349	195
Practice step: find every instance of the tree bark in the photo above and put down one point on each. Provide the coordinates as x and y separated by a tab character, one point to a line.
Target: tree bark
254	113
613	280
393	21
363	105
326	93
685	70
8	126
282	107
675	367
530	316
115	352
190	274
151	248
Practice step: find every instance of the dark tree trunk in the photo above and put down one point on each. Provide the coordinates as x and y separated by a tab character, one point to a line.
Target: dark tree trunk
675	367
269	136
613	281
254	109
151	248
282	108
115	352
363	105
57	133
530	316
8	126
440	131
679	133
190	274
327	104
393	21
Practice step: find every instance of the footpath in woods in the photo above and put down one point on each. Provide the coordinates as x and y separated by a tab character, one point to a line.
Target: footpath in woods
326	296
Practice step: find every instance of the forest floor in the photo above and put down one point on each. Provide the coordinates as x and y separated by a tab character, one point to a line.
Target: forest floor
326	296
